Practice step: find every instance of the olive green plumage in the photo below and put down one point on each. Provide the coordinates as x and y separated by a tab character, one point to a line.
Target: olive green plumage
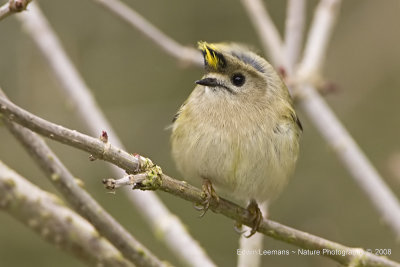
238	127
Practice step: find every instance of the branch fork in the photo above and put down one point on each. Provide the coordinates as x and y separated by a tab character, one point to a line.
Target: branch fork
148	180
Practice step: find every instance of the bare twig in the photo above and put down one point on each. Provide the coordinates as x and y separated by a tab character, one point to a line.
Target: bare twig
352	157
46	214
265	27
134	19
342	254
325	120
157	180
82	202
295	18
94	146
330	127
13	6
174	234
318	40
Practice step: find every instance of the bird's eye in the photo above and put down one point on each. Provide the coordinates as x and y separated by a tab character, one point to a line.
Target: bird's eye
238	79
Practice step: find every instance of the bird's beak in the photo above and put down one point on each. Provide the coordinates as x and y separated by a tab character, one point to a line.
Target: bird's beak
211	82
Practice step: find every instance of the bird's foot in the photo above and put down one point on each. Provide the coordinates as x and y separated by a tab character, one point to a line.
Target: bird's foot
208	194
255	216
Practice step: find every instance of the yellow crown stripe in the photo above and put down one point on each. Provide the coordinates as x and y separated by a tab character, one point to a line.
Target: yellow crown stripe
209	54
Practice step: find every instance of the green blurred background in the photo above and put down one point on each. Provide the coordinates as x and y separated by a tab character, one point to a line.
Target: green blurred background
140	88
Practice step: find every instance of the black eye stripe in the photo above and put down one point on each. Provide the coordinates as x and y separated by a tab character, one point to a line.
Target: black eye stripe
238	79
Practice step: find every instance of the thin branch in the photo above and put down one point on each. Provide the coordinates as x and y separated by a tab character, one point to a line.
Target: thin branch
342	254
351	156
266	29
294	28
46	214
169	45
78	198
173	232
94	146
13	6
155	179
318	40
330	127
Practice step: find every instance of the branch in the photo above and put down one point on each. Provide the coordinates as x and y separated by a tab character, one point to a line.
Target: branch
318	39
330	127
13	6
165	225
46	214
266	29
78	198
169	45
324	119
295	19
351	156
154	179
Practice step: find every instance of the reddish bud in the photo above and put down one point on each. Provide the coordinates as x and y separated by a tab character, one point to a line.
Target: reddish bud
104	137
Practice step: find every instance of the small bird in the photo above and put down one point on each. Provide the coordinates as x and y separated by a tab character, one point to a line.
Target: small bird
238	130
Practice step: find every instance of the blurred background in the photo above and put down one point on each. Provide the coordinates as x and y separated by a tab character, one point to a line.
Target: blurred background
140	88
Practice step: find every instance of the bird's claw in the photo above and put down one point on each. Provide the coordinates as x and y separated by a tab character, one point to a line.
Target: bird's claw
255	216
209	194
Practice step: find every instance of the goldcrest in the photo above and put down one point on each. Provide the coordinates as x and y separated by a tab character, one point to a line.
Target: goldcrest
238	130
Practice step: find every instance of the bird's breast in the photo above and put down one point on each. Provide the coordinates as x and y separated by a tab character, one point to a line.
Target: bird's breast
240	154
